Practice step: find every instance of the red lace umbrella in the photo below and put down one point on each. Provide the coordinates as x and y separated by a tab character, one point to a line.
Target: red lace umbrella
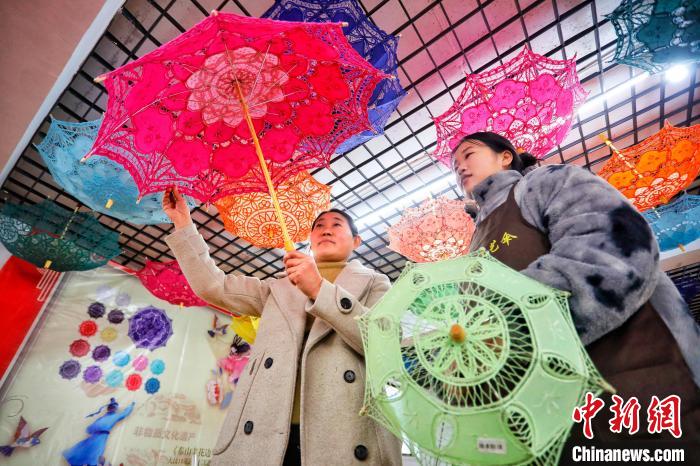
252	216
652	172
166	281
530	100
235	105
436	230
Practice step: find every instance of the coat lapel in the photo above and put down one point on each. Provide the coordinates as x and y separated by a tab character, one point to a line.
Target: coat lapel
290	302
354	279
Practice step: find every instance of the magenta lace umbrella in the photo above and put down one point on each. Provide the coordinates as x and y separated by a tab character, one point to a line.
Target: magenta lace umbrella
530	100
204	110
166	281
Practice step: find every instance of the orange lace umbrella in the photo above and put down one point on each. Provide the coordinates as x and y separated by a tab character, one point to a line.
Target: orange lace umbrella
252	216
436	230
653	171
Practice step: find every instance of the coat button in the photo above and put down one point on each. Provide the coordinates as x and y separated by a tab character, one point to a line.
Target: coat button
361	452
248	427
268	363
345	303
349	377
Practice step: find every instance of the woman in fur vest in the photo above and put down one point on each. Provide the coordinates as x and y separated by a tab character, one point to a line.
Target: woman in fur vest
567	228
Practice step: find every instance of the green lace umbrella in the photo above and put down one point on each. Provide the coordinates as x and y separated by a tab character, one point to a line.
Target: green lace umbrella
655	34
471	362
49	236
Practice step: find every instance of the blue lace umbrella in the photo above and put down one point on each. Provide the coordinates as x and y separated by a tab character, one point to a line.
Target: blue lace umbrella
375	45
676	224
49	236
100	183
654	34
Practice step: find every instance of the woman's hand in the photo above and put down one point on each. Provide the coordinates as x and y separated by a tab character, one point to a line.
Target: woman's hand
176	208
303	273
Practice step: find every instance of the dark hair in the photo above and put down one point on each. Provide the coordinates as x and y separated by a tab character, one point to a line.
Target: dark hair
351	222
497	143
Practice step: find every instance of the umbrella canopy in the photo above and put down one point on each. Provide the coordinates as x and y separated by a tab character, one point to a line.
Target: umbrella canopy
467	352
652	172
676	224
530	100
166	281
438	229
375	45
655	34
51	237
100	183
201	111
252	216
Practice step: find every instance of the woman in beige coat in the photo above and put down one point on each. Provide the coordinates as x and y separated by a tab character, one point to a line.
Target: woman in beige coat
298	400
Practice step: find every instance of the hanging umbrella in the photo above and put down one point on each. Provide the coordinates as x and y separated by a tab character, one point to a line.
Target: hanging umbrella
655	34
99	183
530	100
375	45
54	238
676	224
235	105
166	281
252	216
438	229
652	172
486	371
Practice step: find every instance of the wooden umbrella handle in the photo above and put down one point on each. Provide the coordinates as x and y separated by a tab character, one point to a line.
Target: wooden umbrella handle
288	244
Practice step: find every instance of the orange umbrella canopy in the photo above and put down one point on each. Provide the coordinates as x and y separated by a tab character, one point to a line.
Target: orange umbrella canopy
436	230
252	217
653	171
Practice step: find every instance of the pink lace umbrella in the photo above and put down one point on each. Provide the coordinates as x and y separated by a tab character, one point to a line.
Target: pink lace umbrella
235	105
530	100
166	281
436	230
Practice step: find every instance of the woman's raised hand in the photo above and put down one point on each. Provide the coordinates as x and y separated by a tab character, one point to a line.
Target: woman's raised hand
176	208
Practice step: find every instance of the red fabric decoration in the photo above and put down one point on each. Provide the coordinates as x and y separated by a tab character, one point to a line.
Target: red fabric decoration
79	348
166	281
22	287
133	382
88	328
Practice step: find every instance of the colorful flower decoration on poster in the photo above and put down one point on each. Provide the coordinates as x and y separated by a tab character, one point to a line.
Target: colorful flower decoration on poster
531	100
150	328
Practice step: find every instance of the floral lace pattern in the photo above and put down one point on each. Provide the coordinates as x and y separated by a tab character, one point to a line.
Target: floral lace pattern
530	100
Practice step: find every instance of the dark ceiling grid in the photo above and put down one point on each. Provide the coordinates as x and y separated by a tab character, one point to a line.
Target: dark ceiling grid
395	163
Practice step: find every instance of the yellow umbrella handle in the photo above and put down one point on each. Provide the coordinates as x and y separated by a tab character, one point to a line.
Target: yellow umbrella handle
288	245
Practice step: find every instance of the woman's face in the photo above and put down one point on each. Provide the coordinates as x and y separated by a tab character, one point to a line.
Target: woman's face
474	161
332	239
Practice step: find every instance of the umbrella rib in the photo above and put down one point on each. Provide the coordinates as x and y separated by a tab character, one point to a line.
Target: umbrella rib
257	76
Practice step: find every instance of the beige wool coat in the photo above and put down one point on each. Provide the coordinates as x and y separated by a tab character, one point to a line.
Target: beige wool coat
256	428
